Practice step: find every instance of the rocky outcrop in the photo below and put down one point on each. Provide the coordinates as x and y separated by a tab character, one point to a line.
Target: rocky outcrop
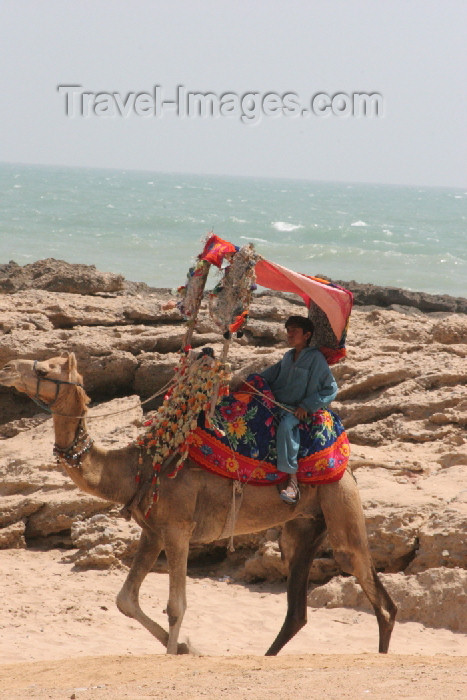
58	276
102	541
12	536
436	598
374	295
402	398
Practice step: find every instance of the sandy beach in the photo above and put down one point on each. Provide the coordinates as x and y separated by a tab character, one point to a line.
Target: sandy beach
62	634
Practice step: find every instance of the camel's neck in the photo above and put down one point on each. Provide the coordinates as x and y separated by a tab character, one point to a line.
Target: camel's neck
65	429
107	474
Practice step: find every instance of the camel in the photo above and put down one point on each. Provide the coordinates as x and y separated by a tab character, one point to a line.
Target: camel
193	508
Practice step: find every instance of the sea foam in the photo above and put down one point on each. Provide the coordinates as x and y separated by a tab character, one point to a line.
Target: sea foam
285	226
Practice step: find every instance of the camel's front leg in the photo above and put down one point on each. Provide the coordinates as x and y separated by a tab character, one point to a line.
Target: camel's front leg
149	548
176	542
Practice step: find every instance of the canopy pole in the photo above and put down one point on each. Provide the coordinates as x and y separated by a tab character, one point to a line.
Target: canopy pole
215	391
190	305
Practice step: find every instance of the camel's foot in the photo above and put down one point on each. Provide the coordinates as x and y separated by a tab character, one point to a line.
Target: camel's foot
386	626
292	625
182	648
185	648
271	652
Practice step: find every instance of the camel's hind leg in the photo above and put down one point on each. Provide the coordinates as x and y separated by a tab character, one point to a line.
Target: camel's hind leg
149	548
299	541
344	517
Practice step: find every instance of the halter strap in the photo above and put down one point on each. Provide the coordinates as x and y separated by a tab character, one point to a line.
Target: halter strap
57	382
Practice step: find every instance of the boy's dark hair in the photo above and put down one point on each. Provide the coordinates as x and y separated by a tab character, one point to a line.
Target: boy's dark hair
301	322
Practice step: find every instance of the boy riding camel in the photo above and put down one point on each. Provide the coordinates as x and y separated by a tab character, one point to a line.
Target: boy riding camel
303	383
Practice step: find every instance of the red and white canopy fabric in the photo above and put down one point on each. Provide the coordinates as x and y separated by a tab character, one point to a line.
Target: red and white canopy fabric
329	305
336	302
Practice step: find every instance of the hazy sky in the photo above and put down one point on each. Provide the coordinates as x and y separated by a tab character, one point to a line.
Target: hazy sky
411	52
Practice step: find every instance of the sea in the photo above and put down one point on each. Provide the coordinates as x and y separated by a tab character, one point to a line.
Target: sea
150	226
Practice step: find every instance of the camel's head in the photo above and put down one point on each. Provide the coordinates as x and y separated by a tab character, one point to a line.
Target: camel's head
41	380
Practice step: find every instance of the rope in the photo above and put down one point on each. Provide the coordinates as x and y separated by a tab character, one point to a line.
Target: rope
237	490
159	393
136	405
257	391
232	514
121	410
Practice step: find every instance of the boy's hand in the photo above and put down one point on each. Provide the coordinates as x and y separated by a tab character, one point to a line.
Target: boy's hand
301	413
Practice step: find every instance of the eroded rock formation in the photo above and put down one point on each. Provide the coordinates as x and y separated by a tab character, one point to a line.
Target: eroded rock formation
402	398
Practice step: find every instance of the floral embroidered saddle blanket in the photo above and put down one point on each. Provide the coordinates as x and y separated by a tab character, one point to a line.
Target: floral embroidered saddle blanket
247	450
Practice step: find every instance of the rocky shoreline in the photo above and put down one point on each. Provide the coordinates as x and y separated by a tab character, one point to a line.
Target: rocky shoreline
402	399
60	276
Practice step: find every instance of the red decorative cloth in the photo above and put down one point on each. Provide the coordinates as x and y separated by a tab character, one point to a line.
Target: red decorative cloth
247	450
335	301
215	456
216	249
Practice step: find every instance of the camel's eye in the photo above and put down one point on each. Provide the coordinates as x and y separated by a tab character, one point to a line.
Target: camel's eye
41	372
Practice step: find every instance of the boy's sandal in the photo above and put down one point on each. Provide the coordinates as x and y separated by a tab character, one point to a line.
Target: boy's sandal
291	494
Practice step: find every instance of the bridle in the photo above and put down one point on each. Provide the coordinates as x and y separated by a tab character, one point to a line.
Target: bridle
82	443
58	382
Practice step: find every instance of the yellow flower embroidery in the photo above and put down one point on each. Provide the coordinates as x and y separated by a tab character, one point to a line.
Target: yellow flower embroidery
327	420
196	440
345	450
237	427
321	464
231	464
258	473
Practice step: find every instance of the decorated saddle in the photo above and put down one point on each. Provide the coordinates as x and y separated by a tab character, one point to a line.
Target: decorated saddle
240	444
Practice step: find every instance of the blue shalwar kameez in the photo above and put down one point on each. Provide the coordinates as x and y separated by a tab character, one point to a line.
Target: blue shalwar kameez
308	382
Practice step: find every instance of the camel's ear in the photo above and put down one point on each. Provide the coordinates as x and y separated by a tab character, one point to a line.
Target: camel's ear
72	364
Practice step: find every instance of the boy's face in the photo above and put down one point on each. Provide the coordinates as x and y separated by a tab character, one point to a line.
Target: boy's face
297	338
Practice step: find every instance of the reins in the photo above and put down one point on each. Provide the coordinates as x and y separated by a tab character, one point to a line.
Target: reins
73	454
58	382
268	398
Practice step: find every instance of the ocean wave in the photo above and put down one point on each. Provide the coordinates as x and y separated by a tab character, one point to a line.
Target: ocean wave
454	259
251	238
359	223
376	240
285	226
